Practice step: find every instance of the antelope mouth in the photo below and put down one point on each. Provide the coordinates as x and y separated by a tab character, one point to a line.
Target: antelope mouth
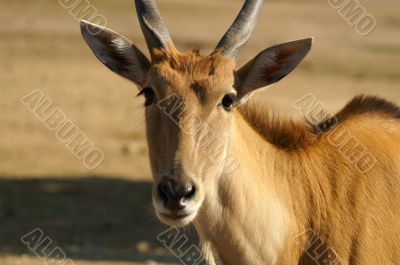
176	219
175	216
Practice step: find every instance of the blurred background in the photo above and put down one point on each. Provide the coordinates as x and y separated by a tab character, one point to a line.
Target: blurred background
104	215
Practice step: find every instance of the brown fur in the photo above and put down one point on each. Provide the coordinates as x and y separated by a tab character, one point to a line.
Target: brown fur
320	188
288	134
190	63
369	105
355	215
292	183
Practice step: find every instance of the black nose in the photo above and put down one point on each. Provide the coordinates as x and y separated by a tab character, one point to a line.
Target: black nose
174	195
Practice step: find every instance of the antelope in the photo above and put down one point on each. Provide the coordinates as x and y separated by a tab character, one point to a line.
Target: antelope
290	184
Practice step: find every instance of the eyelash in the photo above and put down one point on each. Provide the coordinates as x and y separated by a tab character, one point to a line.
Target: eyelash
149	95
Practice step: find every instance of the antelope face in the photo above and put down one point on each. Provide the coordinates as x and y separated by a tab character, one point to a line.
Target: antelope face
189	100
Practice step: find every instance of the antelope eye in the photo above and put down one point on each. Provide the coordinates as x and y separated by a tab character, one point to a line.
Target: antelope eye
227	102
148	94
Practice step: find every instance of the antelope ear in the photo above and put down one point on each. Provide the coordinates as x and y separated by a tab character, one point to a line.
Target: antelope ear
117	52
270	66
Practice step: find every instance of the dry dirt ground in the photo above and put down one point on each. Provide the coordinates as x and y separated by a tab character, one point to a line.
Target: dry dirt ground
104	216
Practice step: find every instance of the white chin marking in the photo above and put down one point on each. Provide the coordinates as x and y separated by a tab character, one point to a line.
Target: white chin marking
176	221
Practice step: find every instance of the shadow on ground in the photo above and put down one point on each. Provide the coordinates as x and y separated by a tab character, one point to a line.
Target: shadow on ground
91	218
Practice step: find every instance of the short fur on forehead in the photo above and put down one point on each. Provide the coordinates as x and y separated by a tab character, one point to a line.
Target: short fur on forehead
206	77
194	64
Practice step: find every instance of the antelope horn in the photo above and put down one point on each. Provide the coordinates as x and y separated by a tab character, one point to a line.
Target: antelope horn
153	28
241	30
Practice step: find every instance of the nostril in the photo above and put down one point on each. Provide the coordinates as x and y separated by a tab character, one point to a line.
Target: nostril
187	192
187	195
163	192
190	192
173	196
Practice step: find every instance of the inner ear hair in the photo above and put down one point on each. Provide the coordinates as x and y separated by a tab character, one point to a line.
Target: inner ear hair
270	66
116	52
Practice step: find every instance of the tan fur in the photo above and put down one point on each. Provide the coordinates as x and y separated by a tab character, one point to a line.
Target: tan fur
290	179
288	134
267	190
356	214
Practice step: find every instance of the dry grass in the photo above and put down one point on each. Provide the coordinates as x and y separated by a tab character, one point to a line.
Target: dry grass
41	48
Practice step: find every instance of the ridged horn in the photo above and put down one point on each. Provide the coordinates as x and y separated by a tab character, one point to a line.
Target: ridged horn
241	30
153	27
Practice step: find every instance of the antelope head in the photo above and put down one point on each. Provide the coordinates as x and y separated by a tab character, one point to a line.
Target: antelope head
190	100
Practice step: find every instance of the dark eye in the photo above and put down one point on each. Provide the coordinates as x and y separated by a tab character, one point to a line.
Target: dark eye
228	101
148	94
